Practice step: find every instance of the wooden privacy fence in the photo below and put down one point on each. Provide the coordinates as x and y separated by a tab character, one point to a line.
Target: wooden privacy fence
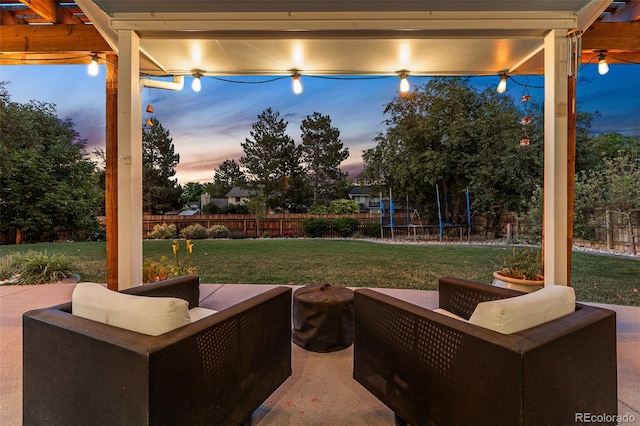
274	225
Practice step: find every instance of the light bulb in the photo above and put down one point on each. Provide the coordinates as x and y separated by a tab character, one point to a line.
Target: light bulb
196	85
93	68
603	67
296	84
502	86
404	83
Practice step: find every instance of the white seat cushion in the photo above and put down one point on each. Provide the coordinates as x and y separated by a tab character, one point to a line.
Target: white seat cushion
522	312
143	314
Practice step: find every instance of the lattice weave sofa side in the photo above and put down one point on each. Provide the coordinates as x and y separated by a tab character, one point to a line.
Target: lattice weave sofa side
432	369
215	371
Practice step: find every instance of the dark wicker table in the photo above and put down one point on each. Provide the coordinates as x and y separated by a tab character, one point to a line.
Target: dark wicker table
323	318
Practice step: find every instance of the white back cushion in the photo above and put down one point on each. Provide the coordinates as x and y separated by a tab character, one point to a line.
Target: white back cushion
143	314
521	312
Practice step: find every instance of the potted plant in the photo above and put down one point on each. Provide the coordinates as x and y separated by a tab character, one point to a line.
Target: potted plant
520	269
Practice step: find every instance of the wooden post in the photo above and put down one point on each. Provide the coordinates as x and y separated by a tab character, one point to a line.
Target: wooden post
111	172
571	168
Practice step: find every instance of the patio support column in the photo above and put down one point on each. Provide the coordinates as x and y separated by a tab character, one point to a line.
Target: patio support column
111	171
129	161
555	205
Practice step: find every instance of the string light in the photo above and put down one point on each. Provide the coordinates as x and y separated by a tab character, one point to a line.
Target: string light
404	83
296	84
603	67
93	68
502	86
196	85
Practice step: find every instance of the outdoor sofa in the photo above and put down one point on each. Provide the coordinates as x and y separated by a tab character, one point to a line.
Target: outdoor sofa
213	371
432	369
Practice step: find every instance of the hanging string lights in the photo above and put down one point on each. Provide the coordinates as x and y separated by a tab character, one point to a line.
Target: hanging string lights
296	84
603	67
196	84
93	69
404	83
502	85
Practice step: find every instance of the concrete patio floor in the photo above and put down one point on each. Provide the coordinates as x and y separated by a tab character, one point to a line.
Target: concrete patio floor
321	389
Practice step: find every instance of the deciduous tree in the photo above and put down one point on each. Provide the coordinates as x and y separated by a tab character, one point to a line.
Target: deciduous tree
48	187
449	134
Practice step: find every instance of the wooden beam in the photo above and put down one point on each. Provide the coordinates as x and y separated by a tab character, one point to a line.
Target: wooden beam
8	17
612	36
630	11
612	56
44	8
51	39
111	172
51	12
66	17
62	58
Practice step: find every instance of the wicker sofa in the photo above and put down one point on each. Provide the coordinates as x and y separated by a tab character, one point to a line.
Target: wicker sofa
433	369
217	370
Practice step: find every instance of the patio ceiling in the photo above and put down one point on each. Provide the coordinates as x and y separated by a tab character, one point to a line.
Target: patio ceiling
244	37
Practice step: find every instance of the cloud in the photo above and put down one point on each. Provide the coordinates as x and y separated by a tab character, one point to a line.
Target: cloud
209	126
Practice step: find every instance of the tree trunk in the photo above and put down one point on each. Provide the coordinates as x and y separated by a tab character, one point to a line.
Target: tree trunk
632	241
19	239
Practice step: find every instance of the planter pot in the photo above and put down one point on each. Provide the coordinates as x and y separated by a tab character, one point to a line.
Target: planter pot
527	286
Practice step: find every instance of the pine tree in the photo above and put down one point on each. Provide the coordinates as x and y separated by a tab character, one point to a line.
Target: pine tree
270	157
161	192
321	153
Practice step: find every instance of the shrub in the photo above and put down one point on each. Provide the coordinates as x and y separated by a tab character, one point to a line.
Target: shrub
163	232
210	209
218	231
343	206
345	226
195	232
238	235
372	229
234	209
35	268
155	270
7	265
319	209
315	227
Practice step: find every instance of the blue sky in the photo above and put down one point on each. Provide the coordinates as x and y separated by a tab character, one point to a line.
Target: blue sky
208	127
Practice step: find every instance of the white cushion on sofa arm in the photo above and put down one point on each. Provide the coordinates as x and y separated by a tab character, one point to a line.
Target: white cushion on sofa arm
449	314
142	314
522	312
199	313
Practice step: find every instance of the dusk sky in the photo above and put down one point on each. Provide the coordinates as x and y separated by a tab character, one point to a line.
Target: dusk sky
208	127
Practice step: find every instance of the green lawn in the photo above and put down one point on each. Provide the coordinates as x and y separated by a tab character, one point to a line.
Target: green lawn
597	278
